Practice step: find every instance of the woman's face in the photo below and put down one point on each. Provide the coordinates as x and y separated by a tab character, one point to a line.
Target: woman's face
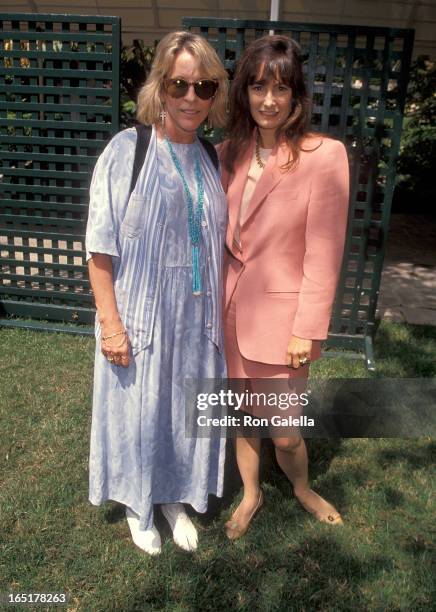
270	102
185	114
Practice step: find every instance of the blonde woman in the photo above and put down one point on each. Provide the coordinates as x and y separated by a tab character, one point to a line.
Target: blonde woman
155	260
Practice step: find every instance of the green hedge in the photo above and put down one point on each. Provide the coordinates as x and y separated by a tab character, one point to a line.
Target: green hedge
136	63
415	190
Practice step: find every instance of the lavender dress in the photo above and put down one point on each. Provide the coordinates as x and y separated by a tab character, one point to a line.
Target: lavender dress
139	453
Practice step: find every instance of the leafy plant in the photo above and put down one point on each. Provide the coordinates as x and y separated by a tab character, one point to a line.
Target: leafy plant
415	179
136	61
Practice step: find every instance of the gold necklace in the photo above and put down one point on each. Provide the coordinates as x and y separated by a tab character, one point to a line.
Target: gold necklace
259	161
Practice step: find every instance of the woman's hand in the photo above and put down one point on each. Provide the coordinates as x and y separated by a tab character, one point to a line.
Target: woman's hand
115	346
298	352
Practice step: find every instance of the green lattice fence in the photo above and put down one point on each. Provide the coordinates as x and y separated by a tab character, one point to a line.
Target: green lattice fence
357	77
59	104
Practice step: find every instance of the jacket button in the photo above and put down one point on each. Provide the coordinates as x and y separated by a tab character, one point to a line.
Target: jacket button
204	223
209	293
209	326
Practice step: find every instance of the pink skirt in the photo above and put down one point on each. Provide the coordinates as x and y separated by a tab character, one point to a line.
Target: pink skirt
248	375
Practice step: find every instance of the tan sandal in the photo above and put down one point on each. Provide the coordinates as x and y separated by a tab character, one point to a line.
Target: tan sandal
234	530
331	519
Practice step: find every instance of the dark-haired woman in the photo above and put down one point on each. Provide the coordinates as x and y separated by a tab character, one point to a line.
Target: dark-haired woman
287	191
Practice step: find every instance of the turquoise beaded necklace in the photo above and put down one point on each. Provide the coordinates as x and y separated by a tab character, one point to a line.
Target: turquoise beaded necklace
194	217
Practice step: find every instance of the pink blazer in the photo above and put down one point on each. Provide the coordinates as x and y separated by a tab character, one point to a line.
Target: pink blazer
292	246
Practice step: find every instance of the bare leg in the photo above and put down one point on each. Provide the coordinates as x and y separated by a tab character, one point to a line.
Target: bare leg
291	456
248	458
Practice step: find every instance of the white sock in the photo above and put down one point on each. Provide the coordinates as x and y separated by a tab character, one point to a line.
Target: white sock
184	533
148	540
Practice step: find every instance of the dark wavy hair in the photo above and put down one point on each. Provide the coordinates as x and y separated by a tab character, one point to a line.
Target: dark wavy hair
277	57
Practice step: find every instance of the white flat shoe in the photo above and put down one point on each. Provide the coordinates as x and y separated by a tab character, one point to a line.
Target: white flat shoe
148	540
184	533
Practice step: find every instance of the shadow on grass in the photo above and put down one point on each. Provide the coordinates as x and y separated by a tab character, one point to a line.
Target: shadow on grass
321	453
409	349
419	458
418	545
394	498
114	513
315	575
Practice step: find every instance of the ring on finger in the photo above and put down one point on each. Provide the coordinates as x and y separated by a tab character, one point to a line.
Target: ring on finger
110	359
304	360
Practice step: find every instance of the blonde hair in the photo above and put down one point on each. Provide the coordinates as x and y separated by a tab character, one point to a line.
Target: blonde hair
150	103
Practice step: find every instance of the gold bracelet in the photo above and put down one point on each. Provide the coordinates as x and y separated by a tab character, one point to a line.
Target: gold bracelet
104	338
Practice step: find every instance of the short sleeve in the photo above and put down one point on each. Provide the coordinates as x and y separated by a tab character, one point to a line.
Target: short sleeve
109	194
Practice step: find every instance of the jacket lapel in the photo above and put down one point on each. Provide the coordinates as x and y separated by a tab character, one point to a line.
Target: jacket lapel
234	196
270	178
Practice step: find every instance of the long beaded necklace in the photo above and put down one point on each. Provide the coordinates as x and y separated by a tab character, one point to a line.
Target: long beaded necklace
194	217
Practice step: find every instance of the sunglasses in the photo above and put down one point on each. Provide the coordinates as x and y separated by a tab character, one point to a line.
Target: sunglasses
204	89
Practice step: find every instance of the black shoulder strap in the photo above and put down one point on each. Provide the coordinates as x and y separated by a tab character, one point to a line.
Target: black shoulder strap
211	151
143	134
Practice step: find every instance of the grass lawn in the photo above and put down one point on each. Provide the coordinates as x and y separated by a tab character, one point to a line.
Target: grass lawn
53	540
